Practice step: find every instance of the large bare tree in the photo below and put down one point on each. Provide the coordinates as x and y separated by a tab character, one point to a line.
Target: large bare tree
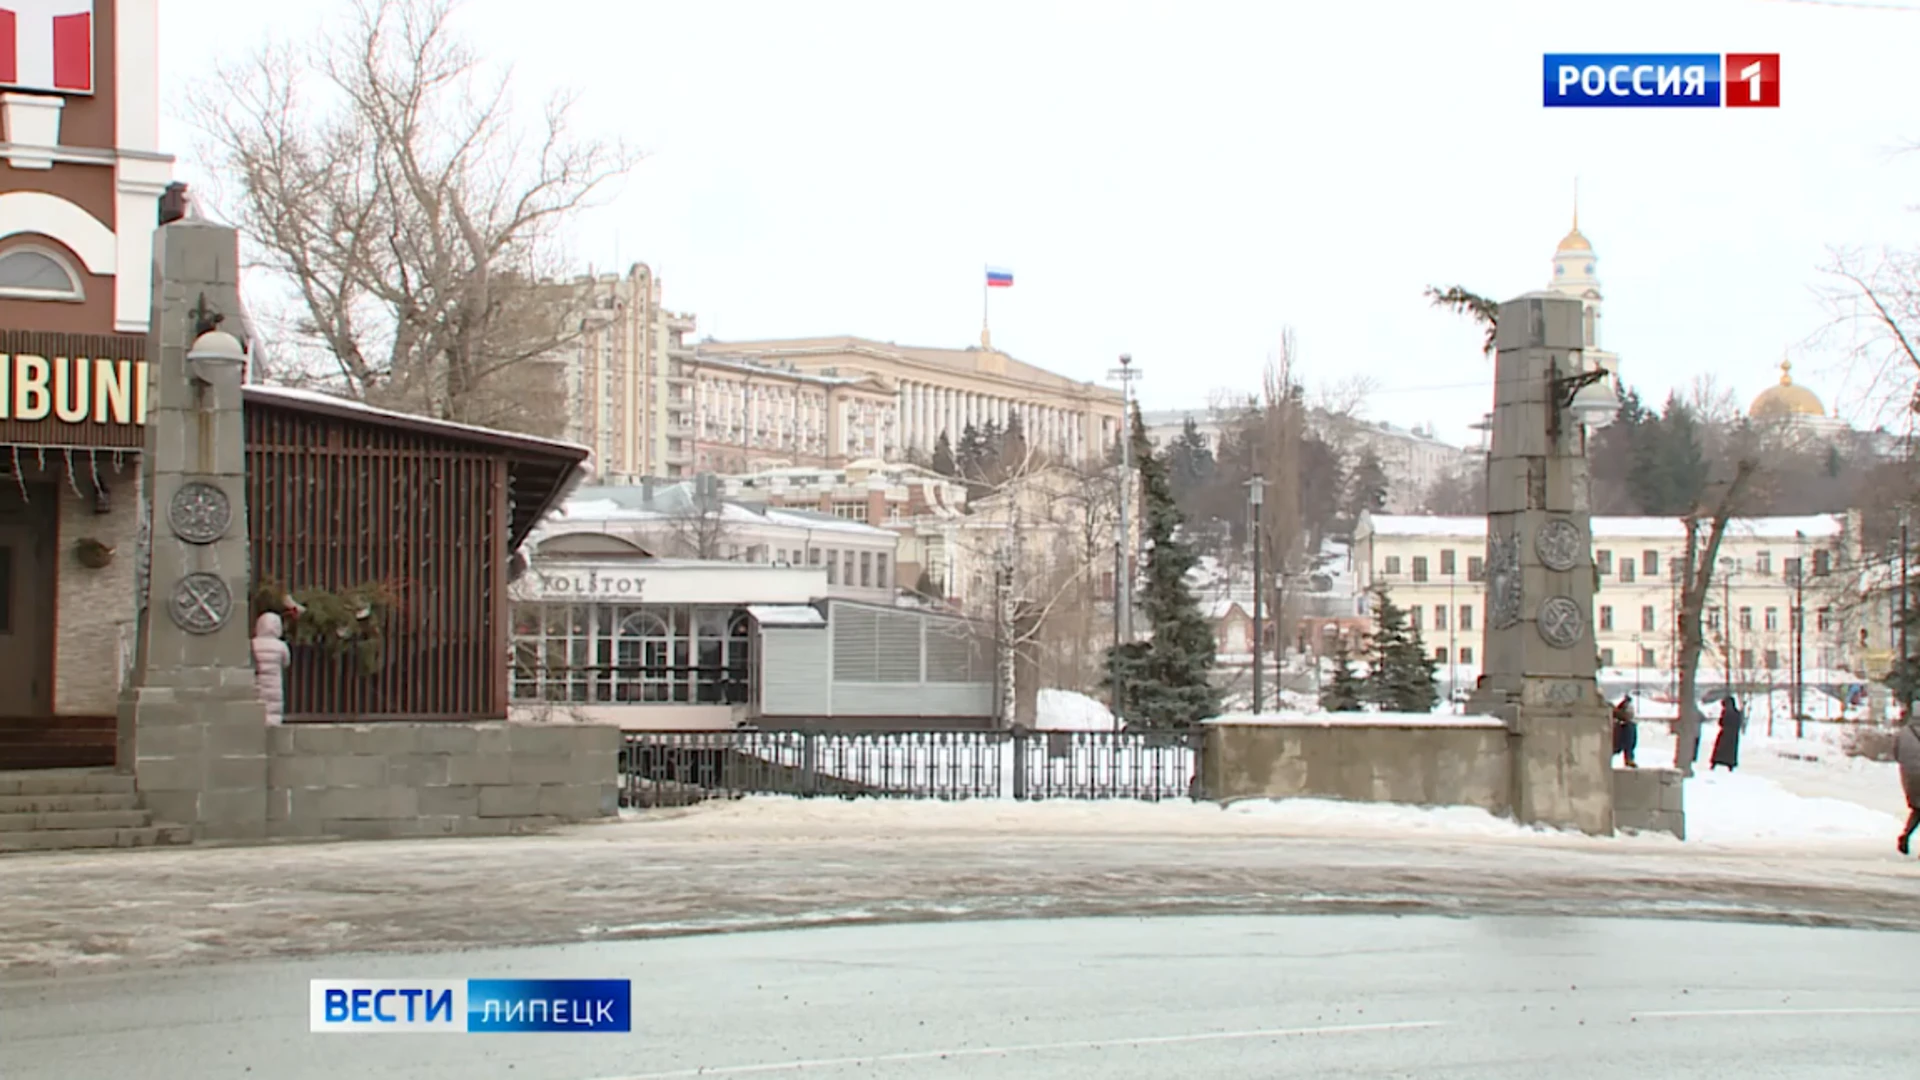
1875	301
1706	527
383	177
1039	540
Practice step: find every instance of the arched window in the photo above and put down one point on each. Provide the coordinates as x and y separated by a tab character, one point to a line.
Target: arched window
34	273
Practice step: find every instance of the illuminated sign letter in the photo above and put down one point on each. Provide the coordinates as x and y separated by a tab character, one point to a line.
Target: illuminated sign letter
32	397
71	401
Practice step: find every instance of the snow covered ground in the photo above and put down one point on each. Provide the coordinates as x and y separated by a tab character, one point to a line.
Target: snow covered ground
1792	790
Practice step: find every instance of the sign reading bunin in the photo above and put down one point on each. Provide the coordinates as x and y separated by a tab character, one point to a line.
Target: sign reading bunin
73	390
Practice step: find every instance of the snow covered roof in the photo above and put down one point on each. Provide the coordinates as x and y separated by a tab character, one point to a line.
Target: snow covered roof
633	504
786	615
1819	526
1220	609
328	402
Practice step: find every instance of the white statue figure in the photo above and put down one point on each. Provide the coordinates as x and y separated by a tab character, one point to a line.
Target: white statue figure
270	659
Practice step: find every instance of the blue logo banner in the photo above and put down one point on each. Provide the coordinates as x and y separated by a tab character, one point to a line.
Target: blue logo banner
465	1006
524	1005
1632	80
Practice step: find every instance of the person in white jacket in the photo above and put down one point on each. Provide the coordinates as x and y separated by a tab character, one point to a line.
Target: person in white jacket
1906	751
270	659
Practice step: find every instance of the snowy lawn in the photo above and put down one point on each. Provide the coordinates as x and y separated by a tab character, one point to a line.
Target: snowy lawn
1787	789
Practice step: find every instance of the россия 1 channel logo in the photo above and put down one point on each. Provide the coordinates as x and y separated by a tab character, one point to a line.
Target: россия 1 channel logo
469	1006
1662	80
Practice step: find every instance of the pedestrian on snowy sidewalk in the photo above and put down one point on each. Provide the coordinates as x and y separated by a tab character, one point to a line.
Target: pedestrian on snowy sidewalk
1906	751
1726	745
1626	733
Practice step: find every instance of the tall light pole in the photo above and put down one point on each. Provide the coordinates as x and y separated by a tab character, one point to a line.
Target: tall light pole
1119	572
1123	586
1799	635
1637	655
1256	495
1906	680
1453	648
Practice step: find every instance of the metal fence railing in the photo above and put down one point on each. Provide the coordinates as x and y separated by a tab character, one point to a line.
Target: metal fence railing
669	768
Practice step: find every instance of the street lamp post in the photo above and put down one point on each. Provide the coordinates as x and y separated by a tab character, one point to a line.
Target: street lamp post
1123	597
1256	495
1906	692
1113	655
1799	617
1123	531
1453	646
1638	656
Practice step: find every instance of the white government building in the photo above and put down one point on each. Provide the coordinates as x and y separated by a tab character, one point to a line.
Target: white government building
1435	568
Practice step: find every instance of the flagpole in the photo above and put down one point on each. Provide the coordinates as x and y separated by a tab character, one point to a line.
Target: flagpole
986	291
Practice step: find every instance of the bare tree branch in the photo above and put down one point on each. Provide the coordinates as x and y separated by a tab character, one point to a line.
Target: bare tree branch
412	216
1700	558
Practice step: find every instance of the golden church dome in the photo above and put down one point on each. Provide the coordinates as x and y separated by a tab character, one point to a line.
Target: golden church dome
1575	241
1786	400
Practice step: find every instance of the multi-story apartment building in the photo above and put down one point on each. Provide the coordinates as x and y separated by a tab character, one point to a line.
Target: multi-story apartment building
625	376
1435	568
931	392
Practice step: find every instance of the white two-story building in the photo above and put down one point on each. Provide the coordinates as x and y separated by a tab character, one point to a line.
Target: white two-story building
1435	568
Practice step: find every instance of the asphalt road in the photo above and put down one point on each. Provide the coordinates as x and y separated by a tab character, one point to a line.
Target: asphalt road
1258	996
750	868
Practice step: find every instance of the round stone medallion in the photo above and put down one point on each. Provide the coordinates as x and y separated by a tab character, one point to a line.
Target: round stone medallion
200	513
200	603
1561	624
1558	544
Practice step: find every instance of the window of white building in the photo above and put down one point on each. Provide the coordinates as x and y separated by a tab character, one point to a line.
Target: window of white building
613	654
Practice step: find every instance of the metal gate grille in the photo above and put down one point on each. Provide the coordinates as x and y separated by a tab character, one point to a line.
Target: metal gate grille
660	768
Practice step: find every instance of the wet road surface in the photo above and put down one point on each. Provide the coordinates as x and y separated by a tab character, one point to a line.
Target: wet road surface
1480	998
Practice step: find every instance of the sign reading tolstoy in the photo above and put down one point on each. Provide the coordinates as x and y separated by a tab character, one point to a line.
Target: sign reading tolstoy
587	585
73	389
561	581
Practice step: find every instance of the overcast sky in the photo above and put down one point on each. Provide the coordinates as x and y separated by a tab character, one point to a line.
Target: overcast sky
1182	181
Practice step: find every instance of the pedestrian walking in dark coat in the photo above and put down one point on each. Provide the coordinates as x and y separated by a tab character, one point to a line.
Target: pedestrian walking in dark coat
1626	733
1906	751
1726	745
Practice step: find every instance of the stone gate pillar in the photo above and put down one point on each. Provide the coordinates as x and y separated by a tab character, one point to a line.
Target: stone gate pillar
190	725
1539	656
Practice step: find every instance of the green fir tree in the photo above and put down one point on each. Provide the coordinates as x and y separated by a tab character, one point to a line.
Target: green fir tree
1165	680
1347	691
1401	679
1366	486
943	462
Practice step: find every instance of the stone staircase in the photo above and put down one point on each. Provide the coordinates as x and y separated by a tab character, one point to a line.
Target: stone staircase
63	809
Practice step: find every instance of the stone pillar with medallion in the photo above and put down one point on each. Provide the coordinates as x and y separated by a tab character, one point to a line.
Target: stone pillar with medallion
190	724
1539	658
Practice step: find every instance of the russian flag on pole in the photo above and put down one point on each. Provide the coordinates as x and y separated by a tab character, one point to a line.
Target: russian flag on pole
998	278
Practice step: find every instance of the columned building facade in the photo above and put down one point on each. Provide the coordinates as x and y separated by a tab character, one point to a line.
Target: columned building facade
945	391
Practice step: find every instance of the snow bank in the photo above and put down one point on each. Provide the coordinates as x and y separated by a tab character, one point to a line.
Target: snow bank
1065	710
1304	818
1742	807
1335	816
